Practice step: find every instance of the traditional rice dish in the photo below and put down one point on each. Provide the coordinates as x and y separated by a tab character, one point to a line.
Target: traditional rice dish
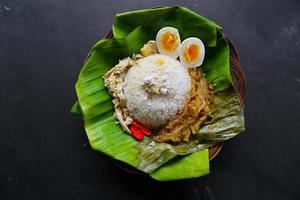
159	96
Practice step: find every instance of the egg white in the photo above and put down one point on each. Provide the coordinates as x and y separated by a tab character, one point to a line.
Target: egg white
186	43
160	47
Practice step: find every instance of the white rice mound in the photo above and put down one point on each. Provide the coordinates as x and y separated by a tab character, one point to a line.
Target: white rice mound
154	110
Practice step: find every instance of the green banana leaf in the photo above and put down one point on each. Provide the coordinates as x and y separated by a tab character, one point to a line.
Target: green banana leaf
76	108
94	102
150	21
184	167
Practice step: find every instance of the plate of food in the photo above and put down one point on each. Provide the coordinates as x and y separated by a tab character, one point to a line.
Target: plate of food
162	92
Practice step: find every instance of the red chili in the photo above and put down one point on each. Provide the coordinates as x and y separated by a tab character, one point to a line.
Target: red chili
142	128
136	133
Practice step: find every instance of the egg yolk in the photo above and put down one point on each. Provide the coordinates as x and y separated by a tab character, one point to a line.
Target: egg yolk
160	61
169	41
191	53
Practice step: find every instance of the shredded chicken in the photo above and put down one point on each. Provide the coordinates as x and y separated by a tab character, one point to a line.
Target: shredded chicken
120	117
113	80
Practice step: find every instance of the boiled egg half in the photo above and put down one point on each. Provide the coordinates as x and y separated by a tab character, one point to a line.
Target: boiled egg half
192	52
168	41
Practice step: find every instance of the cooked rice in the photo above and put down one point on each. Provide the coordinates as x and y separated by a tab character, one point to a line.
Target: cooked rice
155	89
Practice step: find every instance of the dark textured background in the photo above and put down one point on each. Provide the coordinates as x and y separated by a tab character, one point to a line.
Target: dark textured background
42	146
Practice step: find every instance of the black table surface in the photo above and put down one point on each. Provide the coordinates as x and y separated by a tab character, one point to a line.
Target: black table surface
43	147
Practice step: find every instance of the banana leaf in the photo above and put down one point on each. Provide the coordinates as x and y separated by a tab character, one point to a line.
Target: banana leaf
76	108
149	21
163	162
183	167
